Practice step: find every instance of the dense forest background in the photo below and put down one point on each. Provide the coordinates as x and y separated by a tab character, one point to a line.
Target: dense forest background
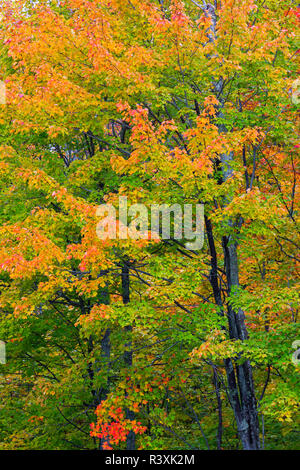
143	343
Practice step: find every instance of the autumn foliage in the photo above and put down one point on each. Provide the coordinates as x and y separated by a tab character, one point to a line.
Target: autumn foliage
141	343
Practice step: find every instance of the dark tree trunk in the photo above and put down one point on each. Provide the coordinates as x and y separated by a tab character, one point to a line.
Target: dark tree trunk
99	394
248	425
239	377
130	441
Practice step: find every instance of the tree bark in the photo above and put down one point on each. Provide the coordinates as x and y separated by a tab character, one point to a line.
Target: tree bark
239	377
130	440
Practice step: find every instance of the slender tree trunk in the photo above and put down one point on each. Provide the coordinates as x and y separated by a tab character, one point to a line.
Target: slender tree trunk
239	377
99	394
105	353
130	441
247	419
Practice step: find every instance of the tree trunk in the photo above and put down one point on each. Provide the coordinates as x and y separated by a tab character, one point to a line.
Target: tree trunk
247	417
239	377
130	441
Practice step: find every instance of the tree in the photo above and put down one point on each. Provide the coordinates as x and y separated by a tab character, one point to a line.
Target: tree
164	102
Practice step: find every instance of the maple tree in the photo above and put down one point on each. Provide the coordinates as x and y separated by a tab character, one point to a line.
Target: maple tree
141	343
